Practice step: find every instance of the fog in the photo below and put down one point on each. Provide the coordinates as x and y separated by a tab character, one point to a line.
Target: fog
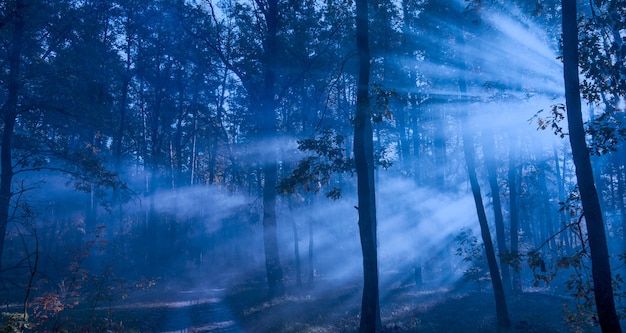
149	209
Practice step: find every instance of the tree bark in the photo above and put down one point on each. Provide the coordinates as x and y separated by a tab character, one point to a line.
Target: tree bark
514	216
296	246
492	170
560	183
439	119
502	313
364	160
600	266
9	115
311	267
268	129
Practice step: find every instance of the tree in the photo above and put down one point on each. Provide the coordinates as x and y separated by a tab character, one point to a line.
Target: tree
364	160
600	266
514	213
490	161
255	65
468	148
267	122
502	313
10	111
56	115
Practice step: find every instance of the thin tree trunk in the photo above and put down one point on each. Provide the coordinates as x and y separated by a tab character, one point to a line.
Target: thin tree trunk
502	312
439	119
119	137
416	150
514	216
268	129
600	266
621	193
192	157
296	253
501	308
364	160
311	265
490	160
126	78
296	246
9	114
544	207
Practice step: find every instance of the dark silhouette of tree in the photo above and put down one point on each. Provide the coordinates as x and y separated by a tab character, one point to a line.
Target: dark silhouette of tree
601	269
10	110
364	161
514	214
502	313
490	161
267	125
468	149
56	115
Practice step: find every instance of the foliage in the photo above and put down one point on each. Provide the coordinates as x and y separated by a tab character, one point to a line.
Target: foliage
88	173
328	158
71	289
606	132
572	205
329	153
83	286
602	51
580	287
471	250
382	98
602	60
15	322
314	172
578	281
555	115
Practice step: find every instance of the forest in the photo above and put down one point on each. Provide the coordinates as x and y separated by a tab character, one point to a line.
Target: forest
312	166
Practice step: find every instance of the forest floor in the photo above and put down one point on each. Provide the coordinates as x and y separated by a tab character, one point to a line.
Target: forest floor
327	307
403	309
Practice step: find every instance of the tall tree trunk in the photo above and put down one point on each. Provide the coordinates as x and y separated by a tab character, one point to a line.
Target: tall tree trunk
153	223
502	312
364	160
492	170
468	148
9	115
268	129
414	120
296	245
600	266
545	210
296	253
192	156
439	120
560	181
514	216
621	192
119	135
311	267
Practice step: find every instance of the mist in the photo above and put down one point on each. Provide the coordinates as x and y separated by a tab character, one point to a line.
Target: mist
189	167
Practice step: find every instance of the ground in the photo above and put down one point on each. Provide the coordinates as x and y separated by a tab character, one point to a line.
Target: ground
241	306
403	309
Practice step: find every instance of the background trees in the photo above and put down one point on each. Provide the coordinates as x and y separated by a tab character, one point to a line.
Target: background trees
165	128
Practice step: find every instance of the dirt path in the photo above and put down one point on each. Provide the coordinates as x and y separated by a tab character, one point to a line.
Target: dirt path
191	311
164	312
